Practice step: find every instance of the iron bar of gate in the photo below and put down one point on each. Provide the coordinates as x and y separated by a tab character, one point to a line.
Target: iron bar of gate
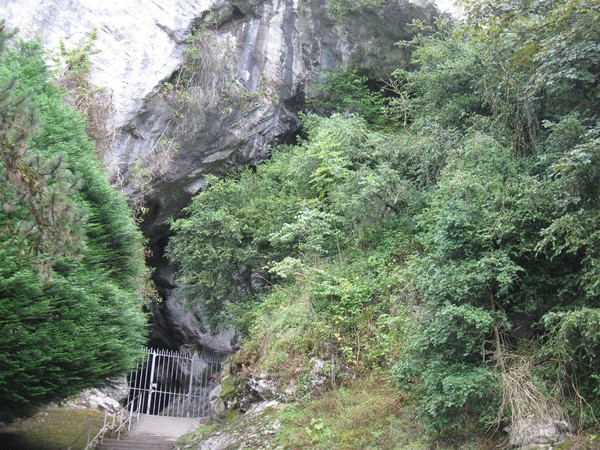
142	379
182	387
135	394
174	384
184	366
203	390
146	383
191	385
178	375
158	370
162	390
163	381
151	385
197	384
159	378
192	395
167	384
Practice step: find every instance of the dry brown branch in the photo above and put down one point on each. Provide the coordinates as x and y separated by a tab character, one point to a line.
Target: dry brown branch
525	408
95	103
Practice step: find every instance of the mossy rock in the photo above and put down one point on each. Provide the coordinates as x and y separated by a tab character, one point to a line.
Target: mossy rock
228	387
50	430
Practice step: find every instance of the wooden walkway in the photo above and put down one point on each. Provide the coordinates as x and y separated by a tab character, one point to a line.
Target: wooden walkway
153	433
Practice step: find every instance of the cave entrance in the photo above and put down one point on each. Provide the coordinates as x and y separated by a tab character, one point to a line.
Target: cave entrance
173	384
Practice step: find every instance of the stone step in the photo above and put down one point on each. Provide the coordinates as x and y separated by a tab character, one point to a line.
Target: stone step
133	446
148	439
163	426
114	444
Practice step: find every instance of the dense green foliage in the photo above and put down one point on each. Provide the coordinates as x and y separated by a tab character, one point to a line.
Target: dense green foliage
343	10
349	92
72	267
462	250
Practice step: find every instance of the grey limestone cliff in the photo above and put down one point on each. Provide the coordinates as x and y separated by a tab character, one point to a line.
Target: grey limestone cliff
272	50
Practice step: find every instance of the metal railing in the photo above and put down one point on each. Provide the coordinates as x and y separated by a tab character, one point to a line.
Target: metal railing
120	419
131	411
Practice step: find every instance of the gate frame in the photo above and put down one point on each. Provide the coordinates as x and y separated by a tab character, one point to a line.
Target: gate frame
175	367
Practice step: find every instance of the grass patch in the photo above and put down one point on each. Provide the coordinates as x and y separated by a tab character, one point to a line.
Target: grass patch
255	429
286	333
191	440
50	430
228	387
369	413
584	441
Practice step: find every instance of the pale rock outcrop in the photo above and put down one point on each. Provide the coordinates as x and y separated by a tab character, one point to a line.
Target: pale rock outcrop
177	324
254	429
535	434
138	42
109	397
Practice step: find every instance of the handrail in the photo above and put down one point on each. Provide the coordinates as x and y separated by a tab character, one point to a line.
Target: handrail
127	420
87	431
99	435
111	425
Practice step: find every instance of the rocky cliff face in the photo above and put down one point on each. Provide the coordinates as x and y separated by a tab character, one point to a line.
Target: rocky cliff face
253	61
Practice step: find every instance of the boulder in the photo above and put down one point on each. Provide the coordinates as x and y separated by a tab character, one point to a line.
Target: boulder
532	433
109	397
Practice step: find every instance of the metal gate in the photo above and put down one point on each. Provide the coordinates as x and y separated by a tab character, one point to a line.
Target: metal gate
173	384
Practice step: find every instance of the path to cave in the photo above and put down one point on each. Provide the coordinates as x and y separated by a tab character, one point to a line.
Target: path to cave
153	433
169	396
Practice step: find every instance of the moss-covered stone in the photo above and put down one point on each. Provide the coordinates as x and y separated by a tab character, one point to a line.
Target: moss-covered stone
228	387
254	429
50	430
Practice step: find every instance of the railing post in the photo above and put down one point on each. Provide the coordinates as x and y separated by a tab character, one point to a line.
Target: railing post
104	425
118	416
129	418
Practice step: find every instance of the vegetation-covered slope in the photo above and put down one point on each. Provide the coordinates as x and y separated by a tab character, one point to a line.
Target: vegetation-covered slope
454	248
72	263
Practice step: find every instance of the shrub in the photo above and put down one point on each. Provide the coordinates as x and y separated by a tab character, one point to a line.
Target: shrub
72	270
